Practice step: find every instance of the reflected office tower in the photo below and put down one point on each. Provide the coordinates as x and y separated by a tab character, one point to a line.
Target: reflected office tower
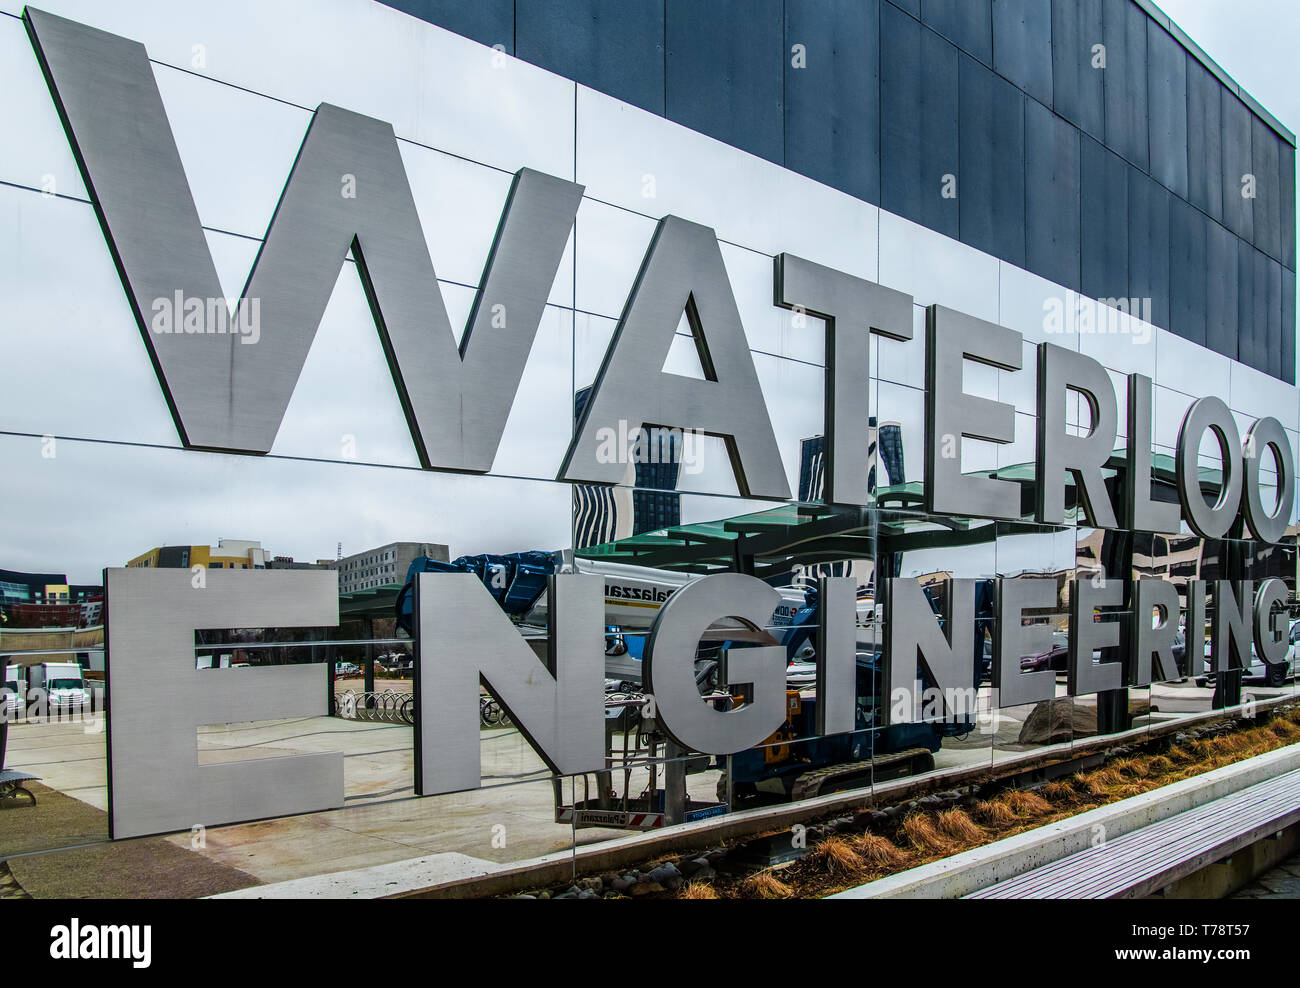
604	514
884	444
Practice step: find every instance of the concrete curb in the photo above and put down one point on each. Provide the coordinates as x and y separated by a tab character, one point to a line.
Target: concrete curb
981	867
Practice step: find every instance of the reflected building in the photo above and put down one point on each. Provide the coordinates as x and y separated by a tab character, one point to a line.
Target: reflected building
603	513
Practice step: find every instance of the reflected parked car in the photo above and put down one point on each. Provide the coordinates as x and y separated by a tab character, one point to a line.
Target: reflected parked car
1055	658
1258	672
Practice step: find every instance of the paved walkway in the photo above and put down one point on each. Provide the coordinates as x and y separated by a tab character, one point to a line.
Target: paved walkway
1281	882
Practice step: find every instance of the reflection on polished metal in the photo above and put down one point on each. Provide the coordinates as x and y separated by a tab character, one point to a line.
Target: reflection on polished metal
1267	433
159	699
837	654
1194	624
915	637
682	272
463	638
1059	371
1013	639
853	308
1154	639
950	414
1142	513
1271	624
1209	521
1088	635
669	665
1231	631
348	190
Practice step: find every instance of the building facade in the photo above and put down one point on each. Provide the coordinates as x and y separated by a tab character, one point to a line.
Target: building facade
383	566
457	218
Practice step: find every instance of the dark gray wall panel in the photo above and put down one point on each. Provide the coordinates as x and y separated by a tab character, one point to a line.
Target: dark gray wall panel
918	105
1286	176
1103	209
1124	27
1077	89
832	106
1051	196
1273	316
1204	139
968	24
991	182
1288	326
1252	306
1167	105
1267	207
1022	45
618	50
1188	263
489	22
724	73
1148	244
1221	317
1238	216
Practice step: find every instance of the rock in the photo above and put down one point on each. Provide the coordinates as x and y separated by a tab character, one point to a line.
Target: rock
664	873
691	868
930	801
645	888
566	895
525	897
592	885
588	894
704	874
1059	720
544	894
622	883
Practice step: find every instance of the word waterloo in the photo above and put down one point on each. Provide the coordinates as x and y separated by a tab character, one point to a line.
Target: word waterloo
347	190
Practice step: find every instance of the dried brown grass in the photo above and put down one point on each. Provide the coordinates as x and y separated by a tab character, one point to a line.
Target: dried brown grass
765	885
836	856
698	890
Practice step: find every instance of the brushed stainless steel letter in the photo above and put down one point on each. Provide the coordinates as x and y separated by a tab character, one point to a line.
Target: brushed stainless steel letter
1209	521
1194	627
682	272
463	639
1142	513
1154	639
945	644
669	665
1012	639
1088	635
950	414
227	396
1059	372
159	698
837	654
1265	434
1232	629
852	308
1271	624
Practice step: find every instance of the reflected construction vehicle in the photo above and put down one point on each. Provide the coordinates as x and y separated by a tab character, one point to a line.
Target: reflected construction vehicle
793	762
15	692
64	685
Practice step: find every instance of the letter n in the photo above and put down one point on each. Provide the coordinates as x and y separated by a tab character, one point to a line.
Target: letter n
464	639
